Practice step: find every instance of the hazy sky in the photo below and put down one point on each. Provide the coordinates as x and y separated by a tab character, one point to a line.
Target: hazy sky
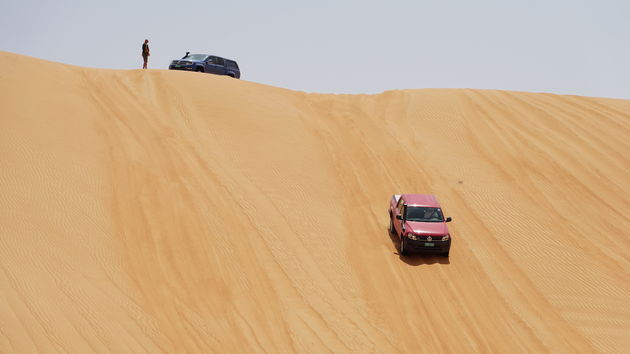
560	46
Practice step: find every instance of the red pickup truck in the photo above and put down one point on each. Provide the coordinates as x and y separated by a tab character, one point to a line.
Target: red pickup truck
418	221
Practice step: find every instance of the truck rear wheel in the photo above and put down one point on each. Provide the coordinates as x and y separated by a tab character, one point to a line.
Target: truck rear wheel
391	225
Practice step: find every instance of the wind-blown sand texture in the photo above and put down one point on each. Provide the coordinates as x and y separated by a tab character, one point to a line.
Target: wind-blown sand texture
162	211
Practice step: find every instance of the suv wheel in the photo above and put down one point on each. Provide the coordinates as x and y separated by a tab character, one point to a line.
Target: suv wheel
200	70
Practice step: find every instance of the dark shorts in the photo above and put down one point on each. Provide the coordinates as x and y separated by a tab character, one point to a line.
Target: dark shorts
145	56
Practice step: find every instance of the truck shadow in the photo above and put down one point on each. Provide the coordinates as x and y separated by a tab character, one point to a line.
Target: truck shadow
416	259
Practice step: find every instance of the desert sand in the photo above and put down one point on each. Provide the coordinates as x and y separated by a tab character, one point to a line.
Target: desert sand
163	211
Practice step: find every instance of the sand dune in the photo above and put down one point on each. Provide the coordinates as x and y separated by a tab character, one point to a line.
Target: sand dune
154	210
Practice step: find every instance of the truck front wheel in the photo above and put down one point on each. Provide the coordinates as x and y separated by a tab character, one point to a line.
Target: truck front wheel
401	248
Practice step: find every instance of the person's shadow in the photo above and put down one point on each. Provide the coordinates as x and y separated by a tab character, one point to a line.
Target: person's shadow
416	259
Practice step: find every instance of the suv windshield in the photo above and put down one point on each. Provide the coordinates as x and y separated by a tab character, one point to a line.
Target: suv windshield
424	214
196	57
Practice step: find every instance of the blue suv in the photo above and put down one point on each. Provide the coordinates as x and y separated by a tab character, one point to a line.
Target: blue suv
207	64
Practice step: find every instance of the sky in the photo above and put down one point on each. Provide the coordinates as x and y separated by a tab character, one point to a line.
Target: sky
576	47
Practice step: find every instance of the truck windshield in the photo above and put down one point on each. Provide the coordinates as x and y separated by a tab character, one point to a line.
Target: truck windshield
196	57
424	214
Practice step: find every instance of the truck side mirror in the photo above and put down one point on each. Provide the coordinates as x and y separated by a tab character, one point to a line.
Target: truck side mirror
399	217
449	219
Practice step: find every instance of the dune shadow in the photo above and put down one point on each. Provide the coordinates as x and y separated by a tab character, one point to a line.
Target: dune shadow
419	258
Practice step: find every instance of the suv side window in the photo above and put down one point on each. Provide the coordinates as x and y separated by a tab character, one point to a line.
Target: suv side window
231	64
219	61
211	60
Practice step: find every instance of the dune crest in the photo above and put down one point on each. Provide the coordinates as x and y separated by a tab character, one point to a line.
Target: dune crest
170	211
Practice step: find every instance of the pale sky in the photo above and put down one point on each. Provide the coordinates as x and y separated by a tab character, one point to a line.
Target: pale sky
560	46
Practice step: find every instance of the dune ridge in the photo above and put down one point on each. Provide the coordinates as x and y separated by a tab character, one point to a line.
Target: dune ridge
167	211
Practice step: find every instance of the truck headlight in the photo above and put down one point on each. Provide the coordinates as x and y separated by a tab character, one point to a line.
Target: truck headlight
412	236
446	237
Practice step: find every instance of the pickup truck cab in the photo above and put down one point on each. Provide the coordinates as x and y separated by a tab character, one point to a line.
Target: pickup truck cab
205	63
419	223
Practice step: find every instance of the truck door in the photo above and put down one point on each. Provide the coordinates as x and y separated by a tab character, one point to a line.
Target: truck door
221	70
232	68
212	65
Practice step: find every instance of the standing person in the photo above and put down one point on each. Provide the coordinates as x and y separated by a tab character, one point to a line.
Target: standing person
145	53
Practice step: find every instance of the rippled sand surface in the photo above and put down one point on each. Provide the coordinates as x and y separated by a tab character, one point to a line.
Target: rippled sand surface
163	211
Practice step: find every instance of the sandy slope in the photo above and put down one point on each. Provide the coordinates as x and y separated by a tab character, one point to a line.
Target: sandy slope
171	211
